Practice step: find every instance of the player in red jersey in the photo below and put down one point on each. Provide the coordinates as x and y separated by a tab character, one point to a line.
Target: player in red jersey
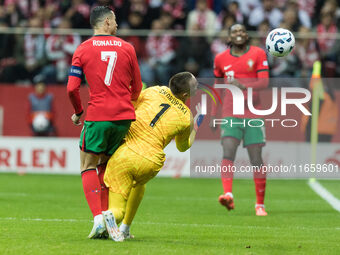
111	69
243	66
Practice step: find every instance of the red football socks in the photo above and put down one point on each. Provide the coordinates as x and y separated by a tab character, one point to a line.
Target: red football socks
227	175
104	195
91	188
260	186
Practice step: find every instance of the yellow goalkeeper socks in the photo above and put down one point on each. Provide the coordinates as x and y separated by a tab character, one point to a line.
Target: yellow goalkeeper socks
124	228
117	205
135	197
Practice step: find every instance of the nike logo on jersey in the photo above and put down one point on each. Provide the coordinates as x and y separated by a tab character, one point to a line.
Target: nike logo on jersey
227	67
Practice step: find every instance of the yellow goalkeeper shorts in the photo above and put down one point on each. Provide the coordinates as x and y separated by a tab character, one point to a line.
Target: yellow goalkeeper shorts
126	169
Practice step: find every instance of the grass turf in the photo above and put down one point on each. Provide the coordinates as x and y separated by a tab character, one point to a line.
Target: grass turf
47	214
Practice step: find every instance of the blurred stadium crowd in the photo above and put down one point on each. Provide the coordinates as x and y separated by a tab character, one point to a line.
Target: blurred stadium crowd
31	57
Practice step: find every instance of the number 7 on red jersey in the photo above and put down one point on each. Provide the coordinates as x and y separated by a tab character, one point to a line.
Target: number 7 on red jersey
112	57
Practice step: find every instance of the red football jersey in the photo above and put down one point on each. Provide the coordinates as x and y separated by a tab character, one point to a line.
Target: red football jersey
252	64
111	69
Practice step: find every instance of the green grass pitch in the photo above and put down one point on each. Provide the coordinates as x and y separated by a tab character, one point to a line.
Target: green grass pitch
47	214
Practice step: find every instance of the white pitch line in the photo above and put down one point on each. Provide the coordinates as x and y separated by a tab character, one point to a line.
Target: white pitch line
325	194
163	198
13	194
199	225
47	220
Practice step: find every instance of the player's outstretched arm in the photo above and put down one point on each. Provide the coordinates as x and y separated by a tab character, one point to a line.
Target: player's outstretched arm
187	138
182	140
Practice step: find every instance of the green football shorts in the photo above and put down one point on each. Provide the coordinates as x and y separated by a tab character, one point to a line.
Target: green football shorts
103	137
251	131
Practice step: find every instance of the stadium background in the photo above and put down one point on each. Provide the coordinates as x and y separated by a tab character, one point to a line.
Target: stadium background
38	38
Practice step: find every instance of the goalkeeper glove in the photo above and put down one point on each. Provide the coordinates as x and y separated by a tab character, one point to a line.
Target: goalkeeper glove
198	119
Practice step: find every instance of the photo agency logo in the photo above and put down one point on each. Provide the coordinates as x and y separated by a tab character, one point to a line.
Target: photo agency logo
245	98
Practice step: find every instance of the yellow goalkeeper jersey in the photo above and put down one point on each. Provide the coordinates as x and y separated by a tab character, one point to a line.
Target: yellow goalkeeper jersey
160	117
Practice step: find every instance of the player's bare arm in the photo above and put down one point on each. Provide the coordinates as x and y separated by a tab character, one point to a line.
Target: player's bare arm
76	119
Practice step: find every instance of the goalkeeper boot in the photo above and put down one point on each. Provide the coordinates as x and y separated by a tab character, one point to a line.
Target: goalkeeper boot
98	227
227	200
125	229
111	227
127	235
260	211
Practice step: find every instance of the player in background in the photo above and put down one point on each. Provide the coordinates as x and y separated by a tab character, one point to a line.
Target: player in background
111	70
161	115
236	65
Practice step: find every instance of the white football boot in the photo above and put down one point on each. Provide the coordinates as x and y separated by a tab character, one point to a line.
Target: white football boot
127	235
125	229
98	227
111	227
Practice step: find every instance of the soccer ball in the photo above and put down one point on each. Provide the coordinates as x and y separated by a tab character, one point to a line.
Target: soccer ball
40	123
280	42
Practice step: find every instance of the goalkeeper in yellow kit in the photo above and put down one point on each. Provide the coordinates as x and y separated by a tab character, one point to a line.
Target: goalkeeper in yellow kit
161	115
